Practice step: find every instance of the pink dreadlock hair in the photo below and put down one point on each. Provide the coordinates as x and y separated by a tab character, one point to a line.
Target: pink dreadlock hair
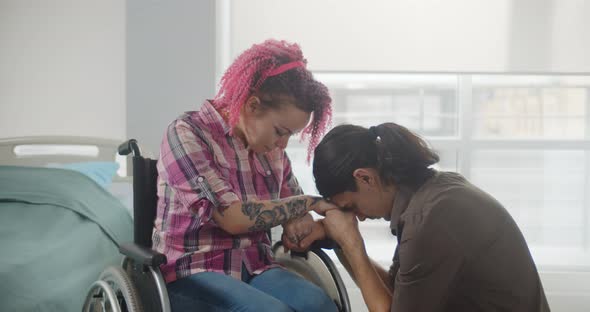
258	71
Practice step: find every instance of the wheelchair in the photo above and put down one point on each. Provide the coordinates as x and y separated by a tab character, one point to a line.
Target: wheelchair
139	286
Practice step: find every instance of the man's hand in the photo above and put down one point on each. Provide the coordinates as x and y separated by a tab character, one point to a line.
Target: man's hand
299	234
342	227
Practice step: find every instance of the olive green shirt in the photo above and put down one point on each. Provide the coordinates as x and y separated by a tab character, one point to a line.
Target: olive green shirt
460	250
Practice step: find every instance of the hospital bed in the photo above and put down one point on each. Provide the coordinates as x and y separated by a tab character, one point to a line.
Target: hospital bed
63	212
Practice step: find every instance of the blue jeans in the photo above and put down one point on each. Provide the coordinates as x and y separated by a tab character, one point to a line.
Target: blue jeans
274	290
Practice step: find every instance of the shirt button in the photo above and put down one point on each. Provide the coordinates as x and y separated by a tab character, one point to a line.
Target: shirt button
200	179
268	172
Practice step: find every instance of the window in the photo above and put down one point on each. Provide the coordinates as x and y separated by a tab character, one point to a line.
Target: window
523	139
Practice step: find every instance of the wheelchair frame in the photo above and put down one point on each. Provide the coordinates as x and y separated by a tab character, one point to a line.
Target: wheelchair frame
138	284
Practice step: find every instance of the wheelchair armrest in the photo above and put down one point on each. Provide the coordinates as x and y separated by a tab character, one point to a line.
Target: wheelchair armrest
142	255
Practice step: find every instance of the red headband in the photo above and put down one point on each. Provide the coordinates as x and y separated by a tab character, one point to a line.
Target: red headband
285	67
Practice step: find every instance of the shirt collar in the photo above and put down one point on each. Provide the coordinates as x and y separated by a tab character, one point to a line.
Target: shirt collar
401	201
213	119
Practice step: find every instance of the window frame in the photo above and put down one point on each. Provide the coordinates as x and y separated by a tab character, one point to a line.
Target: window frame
464	144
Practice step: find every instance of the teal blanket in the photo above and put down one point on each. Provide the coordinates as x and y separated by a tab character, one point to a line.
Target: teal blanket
58	231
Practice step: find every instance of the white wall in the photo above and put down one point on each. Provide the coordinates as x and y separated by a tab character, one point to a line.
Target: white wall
570	33
170	64
110	68
426	35
62	68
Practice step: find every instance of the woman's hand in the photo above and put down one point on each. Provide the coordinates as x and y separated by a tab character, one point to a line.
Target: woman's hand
342	227
320	205
299	234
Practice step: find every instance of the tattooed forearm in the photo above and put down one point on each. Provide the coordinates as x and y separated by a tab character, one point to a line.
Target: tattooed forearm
255	215
269	218
279	212
264	219
296	207
251	209
281	215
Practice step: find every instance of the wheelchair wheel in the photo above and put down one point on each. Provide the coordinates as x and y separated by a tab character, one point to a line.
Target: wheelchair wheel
317	268
112	292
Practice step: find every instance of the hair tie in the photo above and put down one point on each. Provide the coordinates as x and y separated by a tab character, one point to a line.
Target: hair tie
373	134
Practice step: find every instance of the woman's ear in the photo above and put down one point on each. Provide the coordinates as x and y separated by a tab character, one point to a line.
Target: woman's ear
252	106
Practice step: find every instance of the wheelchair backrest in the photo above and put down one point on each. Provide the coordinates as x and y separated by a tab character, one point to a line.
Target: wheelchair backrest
145	199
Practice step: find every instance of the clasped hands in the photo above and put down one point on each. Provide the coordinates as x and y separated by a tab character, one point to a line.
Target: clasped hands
342	227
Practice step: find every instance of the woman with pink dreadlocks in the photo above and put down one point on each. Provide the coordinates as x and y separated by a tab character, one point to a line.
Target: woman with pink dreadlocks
225	179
